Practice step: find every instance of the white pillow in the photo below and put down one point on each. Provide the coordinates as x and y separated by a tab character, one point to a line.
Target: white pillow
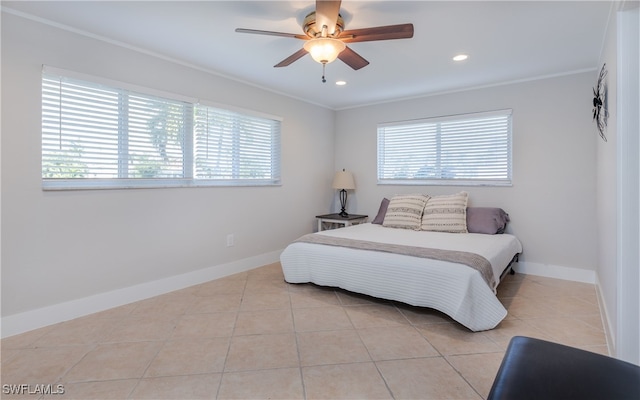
446	213
405	211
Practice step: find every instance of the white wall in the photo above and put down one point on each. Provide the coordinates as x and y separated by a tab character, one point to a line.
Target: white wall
64	246
552	201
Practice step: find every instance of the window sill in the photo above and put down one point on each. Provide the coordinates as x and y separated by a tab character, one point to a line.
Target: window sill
107	184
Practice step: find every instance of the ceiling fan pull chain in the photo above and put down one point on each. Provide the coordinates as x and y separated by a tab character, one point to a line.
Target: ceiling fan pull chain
323	67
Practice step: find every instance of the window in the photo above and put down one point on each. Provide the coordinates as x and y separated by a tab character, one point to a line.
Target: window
470	149
231	146
97	135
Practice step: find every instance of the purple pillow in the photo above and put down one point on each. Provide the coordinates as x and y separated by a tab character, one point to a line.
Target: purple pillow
379	219
486	220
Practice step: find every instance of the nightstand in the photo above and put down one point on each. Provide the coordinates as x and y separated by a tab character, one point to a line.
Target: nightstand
331	221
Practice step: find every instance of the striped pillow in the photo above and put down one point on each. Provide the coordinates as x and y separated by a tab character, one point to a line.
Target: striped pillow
446	213
405	211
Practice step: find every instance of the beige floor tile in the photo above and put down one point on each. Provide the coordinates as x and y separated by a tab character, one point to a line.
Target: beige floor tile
372	316
344	381
562	287
84	330
479	370
262	352
101	390
521	307
572	306
216	303
285	383
451	339
7	355
331	347
42	365
25	340
114	361
315	297
570	331
178	387
268	285
190	356
270	271
425	378
264	322
205	325
392	343
265	301
321	318
511	327
533	290
141	328
589	296
593	320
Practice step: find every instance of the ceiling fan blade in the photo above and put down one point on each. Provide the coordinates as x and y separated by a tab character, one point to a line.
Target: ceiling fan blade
352	59
271	33
402	31
327	14
289	60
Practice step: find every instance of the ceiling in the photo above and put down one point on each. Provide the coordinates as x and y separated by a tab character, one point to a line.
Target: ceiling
506	41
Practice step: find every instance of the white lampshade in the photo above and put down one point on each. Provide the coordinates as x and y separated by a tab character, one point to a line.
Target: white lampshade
343	180
324	50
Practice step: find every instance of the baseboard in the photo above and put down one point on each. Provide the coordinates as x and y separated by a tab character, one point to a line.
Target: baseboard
606	321
556	271
41	317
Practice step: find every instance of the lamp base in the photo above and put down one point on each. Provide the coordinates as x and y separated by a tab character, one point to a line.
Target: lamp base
343	203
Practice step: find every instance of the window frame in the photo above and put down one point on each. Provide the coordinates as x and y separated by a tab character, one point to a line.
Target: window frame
188	176
436	122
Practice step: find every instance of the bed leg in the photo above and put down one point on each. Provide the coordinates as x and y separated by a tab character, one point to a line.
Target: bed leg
516	258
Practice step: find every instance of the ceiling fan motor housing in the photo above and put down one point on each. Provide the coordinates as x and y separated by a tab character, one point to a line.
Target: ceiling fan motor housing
312	30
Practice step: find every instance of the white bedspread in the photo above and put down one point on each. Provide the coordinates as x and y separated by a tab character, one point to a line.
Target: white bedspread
455	289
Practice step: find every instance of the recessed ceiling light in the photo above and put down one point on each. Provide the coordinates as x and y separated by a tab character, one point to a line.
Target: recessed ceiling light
460	57
341	83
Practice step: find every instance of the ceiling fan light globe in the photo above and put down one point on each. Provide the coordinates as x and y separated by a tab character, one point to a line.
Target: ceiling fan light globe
324	50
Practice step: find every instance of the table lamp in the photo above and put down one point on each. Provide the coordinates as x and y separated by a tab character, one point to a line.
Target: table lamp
343	180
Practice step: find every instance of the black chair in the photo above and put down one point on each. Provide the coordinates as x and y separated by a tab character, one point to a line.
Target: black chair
537	369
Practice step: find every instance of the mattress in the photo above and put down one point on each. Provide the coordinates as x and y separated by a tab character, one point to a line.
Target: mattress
454	289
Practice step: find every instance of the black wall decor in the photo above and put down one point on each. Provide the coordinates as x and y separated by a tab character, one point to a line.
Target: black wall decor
600	112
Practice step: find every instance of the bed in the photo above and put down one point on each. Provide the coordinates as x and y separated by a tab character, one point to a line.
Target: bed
417	267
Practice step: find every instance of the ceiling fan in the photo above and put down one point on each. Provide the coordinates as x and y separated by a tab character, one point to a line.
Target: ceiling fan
325	37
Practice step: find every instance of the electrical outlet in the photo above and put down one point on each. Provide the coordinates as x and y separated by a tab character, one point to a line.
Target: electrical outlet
230	240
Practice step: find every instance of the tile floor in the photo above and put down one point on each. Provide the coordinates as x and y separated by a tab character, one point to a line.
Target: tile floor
251	335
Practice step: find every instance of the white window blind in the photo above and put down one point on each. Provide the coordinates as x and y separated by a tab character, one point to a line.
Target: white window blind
471	149
230	146
95	135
